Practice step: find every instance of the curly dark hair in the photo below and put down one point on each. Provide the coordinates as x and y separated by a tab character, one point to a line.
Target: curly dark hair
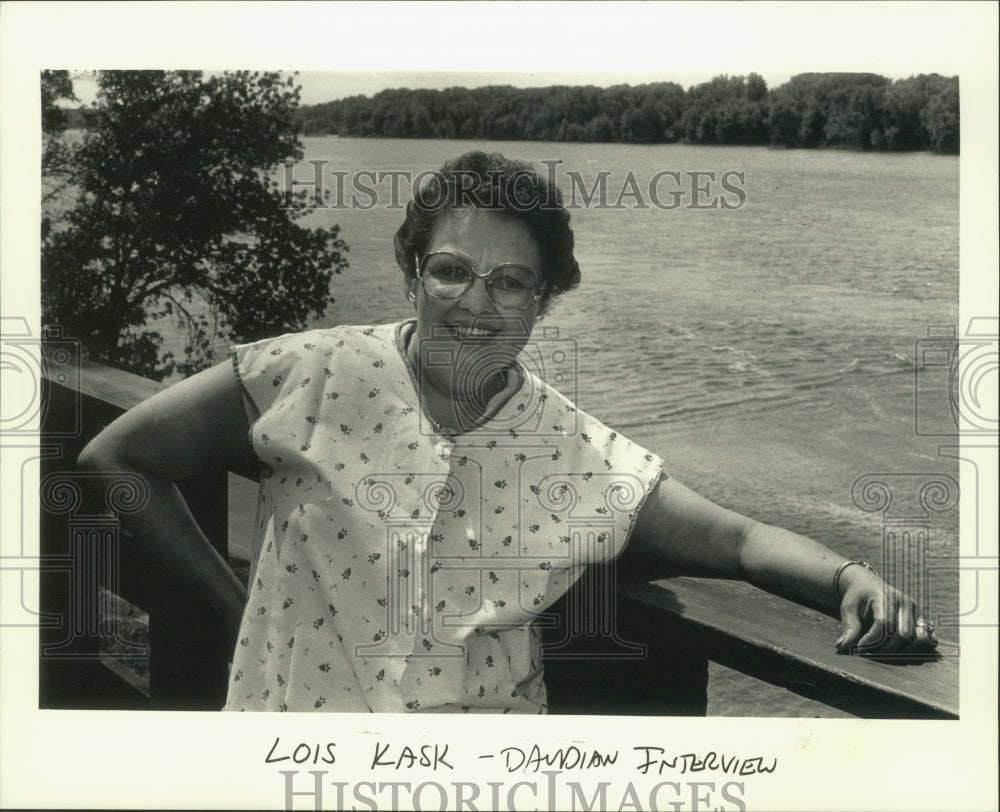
493	182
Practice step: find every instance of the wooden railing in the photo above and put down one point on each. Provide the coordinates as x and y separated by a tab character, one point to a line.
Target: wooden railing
84	550
665	632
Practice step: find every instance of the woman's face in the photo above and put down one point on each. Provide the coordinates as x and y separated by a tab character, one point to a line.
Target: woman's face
473	325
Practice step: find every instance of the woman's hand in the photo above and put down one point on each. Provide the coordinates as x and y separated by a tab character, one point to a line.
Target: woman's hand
879	619
679	532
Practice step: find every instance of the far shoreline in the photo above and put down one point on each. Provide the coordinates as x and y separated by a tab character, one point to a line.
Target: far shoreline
79	131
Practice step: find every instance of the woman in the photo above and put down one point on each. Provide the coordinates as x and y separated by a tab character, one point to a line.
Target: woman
424	495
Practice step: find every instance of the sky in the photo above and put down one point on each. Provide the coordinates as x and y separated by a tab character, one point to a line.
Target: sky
343	49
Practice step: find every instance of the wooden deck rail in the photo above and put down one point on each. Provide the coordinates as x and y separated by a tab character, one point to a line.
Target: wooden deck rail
681	622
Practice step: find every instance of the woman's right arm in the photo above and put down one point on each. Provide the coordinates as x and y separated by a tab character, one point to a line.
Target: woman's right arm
195	425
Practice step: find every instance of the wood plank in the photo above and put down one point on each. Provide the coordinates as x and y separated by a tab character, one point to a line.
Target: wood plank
789	645
140	685
114	386
115	389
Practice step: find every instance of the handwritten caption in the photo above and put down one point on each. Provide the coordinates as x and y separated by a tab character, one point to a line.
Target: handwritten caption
568	777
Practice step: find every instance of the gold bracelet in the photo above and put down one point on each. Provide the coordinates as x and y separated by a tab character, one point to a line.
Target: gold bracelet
840	571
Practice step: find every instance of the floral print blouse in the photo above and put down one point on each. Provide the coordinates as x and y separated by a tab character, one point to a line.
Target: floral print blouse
397	568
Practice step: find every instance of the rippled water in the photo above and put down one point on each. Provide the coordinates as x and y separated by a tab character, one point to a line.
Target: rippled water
765	352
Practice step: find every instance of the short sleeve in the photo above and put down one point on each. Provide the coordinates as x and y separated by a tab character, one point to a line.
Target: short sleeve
276	368
609	475
633	470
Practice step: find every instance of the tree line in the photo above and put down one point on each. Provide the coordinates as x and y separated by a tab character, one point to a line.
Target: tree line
862	111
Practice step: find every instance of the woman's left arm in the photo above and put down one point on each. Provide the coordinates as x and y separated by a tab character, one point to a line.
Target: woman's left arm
679	532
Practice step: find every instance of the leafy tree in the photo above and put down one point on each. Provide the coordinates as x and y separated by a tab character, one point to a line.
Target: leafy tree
756	88
813	124
784	120
727	110
852	116
57	86
940	119
669	100
900	109
177	214
643	124
600	129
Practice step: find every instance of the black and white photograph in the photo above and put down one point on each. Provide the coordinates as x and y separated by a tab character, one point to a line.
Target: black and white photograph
620	394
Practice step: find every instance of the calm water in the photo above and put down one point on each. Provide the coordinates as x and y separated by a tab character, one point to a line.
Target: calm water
765	352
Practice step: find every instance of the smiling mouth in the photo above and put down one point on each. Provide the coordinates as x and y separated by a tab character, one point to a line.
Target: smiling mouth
465	331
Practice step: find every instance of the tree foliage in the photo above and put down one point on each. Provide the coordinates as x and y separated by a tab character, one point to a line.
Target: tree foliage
174	213
866	111
500	112
57	87
727	110
857	111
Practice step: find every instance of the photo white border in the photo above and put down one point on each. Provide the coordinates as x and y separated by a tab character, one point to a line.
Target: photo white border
72	759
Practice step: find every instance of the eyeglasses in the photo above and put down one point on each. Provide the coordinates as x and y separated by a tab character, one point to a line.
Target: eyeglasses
447	276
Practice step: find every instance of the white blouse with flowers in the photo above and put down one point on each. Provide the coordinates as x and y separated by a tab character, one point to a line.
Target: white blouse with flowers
397	568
